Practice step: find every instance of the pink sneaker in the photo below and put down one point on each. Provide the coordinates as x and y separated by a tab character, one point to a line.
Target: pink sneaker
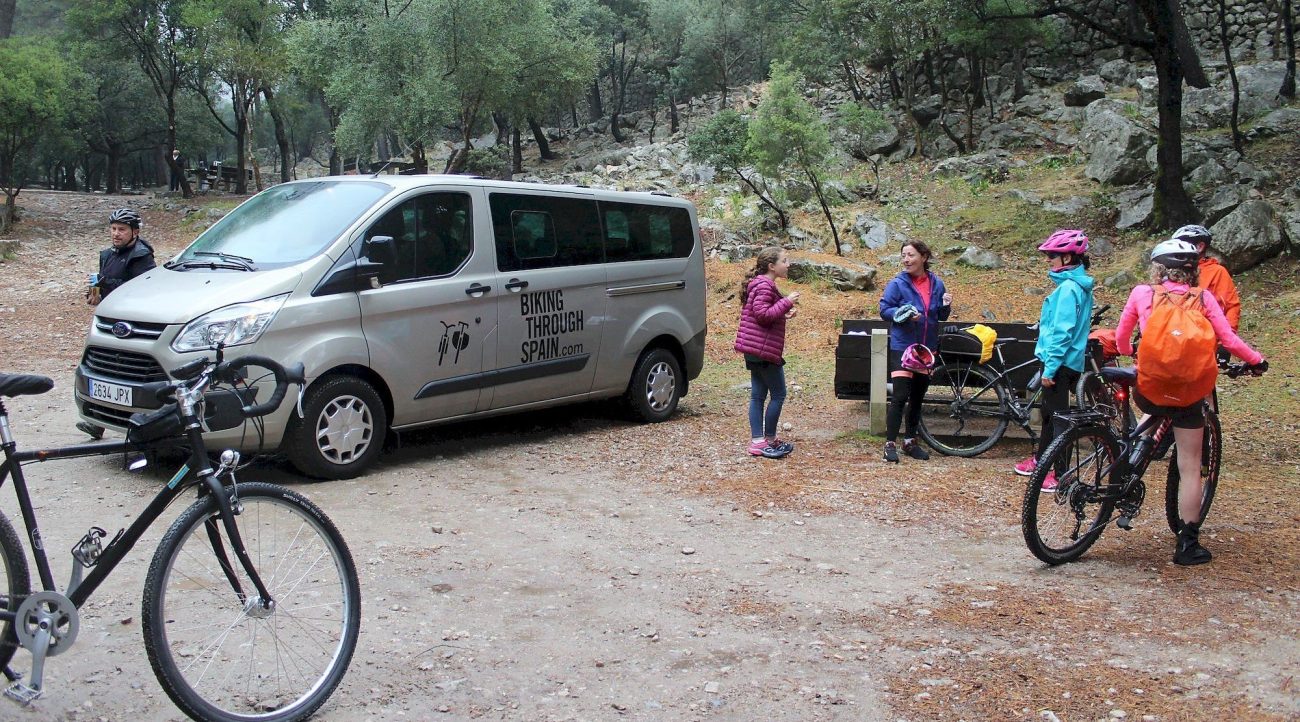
1049	482
1026	467
756	447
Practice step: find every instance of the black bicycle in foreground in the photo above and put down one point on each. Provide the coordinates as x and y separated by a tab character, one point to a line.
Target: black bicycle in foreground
251	604
1099	472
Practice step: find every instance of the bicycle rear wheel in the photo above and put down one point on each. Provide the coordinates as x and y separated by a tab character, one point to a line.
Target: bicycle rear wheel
1211	455
964	413
222	658
1094	394
1060	525
14	588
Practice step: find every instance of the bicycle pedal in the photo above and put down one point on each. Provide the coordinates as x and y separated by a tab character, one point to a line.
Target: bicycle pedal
1124	523
22	694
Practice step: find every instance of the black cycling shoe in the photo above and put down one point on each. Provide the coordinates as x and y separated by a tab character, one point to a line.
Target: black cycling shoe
95	431
1189	551
891	452
914	450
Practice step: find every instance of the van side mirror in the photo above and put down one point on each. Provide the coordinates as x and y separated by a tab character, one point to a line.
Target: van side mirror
380	249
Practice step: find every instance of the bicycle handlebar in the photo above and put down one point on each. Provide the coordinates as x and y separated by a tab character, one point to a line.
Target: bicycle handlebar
1232	371
231	371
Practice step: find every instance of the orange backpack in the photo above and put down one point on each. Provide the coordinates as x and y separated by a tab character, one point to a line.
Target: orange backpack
1176	363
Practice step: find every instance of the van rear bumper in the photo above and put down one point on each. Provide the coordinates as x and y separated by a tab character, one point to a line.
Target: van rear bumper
693	351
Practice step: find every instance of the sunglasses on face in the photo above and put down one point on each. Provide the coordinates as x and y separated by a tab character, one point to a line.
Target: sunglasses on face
1054	256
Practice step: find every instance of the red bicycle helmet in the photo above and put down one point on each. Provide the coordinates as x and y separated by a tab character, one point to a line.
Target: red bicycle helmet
1066	241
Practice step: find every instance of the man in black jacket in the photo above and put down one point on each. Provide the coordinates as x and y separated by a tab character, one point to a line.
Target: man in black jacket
128	257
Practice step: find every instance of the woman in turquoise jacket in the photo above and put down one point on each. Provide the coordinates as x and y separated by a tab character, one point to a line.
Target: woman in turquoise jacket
1063	329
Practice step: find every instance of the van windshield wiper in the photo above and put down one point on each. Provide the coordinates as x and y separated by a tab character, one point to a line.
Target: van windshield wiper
229	260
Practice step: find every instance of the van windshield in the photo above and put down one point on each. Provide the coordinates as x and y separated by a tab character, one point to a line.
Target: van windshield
281	226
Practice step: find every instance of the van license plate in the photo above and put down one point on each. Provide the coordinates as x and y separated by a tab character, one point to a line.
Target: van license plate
110	393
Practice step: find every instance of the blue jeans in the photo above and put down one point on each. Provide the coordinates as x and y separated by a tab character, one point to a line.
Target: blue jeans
766	380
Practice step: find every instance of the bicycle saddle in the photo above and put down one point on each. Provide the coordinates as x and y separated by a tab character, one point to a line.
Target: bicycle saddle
1125	375
24	384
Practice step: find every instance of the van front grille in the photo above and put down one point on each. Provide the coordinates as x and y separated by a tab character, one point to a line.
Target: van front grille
125	365
107	414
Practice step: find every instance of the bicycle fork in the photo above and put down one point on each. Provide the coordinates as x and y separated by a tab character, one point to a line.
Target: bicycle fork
228	507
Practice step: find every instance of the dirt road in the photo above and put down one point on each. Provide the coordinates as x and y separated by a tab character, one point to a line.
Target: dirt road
573	566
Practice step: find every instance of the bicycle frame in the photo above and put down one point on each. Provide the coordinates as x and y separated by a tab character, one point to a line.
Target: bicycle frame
107	560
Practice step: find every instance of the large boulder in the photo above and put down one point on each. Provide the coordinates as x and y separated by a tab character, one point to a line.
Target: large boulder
993	165
845	276
1015	133
1259	84
1283	121
979	258
873	233
1118	72
1135	207
1084	91
1115	144
1250	234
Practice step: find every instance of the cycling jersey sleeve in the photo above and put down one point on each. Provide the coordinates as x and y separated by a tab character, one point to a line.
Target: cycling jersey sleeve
1128	320
1223	330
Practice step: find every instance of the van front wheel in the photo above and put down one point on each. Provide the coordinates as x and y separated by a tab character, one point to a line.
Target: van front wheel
342	432
656	386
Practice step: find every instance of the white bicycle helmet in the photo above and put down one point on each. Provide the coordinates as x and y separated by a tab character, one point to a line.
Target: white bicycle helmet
1174	253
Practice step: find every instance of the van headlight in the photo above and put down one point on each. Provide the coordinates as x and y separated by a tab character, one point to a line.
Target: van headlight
242	323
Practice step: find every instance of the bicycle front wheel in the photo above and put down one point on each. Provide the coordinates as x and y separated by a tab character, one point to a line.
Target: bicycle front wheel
223	655
964	412
14	587
1061	523
1211	455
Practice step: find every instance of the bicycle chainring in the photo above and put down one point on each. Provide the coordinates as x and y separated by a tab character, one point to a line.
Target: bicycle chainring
53	610
1131	505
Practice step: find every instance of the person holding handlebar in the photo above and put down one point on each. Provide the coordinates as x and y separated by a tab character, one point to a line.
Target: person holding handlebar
1169	311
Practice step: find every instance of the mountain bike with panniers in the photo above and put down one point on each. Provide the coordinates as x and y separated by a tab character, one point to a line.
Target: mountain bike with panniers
251	603
1099	472
970	403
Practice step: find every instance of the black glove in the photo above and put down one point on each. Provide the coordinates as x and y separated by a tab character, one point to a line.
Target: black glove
1259	368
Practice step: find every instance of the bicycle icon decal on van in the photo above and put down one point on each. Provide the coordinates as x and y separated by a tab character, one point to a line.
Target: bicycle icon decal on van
457	340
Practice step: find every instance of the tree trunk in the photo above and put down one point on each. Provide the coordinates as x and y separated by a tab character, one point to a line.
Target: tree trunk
503	127
543	145
1288	30
764	198
113	172
10	214
170	103
614	130
516	151
241	157
281	134
7	10
674	122
595	110
1018	70
851	79
1222	9
418	158
1173	207
826	209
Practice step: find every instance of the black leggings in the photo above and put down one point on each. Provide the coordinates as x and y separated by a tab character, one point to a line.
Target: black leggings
1055	399
907	392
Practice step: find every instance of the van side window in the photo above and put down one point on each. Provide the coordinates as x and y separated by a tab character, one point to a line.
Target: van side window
635	232
533	231
432	236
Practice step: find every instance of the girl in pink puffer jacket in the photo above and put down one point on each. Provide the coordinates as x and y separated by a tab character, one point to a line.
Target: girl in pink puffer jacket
761	338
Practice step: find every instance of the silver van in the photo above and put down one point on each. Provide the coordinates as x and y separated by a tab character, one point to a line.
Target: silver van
415	300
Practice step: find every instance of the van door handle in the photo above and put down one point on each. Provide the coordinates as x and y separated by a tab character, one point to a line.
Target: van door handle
516	285
477	290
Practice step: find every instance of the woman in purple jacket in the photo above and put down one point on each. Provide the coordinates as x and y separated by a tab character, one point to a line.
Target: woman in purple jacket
761	338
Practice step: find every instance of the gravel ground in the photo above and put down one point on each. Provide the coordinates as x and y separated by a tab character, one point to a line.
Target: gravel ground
570	565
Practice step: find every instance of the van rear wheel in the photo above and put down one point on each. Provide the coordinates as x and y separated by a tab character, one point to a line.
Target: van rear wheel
342	432
656	386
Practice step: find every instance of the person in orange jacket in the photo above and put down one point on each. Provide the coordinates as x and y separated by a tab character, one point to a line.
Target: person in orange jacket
1214	276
